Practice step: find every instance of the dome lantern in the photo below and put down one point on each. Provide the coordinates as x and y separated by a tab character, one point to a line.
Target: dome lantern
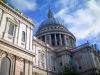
50	13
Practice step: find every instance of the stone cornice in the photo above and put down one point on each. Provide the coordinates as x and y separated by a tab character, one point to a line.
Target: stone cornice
19	14
39	41
64	52
43	69
81	47
39	68
6	43
42	43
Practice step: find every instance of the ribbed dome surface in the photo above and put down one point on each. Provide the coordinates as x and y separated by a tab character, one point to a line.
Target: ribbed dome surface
51	21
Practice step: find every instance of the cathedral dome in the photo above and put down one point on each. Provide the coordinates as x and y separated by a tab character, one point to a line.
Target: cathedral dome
52	31
50	25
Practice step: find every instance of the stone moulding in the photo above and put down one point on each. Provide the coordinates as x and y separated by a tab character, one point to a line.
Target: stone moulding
16	50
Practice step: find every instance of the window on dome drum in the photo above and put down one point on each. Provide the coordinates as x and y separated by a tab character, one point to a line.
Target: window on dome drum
5	66
11	29
23	36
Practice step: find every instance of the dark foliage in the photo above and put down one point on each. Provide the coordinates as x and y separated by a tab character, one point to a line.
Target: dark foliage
70	70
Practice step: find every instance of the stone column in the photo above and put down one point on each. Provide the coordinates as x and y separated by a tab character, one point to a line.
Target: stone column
55	39
69	44
60	39
15	35
65	40
30	45
50	39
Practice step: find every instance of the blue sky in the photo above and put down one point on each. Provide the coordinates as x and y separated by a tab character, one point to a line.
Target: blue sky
81	17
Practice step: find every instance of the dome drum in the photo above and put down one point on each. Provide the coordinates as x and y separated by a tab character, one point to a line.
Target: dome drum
58	39
55	32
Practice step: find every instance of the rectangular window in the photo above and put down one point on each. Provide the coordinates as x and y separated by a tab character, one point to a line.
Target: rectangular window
1	14
11	29
23	36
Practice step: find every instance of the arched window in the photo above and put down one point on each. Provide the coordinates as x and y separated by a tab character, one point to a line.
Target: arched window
23	36
5	66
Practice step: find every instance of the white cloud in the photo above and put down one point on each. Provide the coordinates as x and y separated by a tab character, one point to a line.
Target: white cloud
84	22
24	5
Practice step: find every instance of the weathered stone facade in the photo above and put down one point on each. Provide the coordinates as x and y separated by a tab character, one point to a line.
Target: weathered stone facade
47	53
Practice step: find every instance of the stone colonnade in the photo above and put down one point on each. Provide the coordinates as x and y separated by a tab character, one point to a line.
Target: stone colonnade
55	39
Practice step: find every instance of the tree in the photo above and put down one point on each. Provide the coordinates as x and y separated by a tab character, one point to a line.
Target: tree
70	70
